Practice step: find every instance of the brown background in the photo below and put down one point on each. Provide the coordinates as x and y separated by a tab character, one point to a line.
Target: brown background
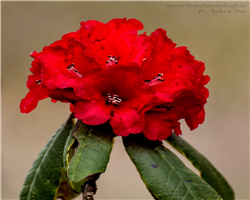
218	39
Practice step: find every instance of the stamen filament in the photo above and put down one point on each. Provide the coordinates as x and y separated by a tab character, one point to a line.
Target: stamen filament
38	82
71	68
111	61
155	81
115	100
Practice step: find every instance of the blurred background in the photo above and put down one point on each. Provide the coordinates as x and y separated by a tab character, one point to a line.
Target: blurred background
219	39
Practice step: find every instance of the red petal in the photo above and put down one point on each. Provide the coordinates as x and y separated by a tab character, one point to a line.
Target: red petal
30	101
28	104
117	38
157	128
92	112
84	89
71	107
124	118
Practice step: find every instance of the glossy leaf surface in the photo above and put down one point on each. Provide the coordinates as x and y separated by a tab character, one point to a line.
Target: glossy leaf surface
43	178
208	172
92	151
163	173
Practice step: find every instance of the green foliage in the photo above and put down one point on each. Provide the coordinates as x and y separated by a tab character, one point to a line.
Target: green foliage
75	153
207	170
87	151
69	151
64	191
165	176
43	178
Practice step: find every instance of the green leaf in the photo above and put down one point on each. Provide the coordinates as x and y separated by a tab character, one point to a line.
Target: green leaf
70	146
207	170
69	151
163	173
43	178
64	191
91	156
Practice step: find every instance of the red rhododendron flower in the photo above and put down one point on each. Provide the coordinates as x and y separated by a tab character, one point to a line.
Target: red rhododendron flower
179	84
107	72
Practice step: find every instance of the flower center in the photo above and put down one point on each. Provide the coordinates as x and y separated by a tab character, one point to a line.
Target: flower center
111	61
71	68
114	100
38	82
155	81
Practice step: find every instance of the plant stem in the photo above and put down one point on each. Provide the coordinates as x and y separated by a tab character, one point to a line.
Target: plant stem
89	187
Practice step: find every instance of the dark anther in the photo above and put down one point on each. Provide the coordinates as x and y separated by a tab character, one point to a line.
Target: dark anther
116	62
107	62
109	56
167	108
70	66
147	81
172	106
162	80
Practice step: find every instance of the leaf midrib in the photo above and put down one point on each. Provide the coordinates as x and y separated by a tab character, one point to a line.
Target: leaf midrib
38	168
163	158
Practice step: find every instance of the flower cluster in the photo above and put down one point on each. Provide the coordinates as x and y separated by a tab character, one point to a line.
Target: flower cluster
107	72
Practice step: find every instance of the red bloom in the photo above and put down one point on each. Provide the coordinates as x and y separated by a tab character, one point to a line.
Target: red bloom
121	99
109	73
163	119
37	92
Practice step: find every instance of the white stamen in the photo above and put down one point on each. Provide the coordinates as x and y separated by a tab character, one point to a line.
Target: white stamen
111	61
155	81
38	82
115	100
74	71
